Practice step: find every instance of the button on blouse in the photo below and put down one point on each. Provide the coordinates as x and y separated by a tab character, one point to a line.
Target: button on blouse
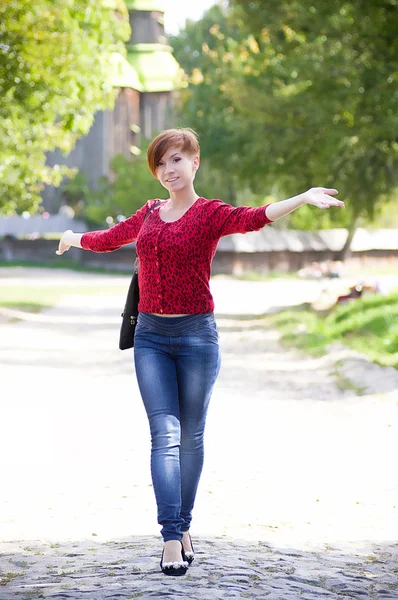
175	257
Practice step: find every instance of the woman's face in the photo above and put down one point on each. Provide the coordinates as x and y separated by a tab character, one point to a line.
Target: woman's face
176	169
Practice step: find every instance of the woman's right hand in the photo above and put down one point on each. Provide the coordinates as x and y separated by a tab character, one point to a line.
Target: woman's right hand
65	242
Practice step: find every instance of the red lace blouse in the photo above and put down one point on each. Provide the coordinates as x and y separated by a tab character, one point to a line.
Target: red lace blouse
175	258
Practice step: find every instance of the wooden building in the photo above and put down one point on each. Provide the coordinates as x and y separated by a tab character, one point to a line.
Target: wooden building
147	80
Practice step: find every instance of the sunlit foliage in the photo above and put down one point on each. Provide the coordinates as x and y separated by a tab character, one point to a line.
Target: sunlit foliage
54	76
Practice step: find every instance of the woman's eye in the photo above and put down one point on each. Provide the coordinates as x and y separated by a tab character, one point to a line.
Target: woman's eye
160	164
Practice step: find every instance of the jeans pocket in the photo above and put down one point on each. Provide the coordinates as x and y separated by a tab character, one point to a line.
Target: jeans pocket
140	328
208	331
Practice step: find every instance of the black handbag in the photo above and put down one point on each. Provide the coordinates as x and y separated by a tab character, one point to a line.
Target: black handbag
130	312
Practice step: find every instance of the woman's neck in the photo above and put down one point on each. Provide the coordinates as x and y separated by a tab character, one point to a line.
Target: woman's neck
183	198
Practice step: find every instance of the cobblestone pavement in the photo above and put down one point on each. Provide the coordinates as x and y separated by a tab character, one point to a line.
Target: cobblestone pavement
298	497
226	568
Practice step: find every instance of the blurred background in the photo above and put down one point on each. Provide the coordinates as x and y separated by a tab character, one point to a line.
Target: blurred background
284	96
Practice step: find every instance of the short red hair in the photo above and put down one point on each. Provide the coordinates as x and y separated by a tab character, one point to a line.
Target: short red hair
184	138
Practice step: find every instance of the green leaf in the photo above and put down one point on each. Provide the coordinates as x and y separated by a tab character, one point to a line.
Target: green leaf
55	73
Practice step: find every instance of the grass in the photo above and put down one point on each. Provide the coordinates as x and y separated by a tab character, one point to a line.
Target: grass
257	276
343	382
70	263
30	299
368	325
5	578
36	298
67	263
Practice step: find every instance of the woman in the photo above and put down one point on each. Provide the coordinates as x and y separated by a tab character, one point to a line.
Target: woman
176	349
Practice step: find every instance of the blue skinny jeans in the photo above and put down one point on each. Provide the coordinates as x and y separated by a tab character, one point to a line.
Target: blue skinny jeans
177	360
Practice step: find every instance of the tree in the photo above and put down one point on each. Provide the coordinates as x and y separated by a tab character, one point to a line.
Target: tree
55	66
131	185
304	94
199	49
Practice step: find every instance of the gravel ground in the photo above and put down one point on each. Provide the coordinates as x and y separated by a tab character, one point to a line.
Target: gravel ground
299	494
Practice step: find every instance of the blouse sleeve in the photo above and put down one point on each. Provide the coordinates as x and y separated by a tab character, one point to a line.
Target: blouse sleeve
227	219
119	235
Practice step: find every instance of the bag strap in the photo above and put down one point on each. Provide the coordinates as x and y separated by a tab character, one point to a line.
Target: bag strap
153	207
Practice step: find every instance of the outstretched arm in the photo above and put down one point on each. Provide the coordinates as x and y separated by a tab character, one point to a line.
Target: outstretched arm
318	196
69	239
111	239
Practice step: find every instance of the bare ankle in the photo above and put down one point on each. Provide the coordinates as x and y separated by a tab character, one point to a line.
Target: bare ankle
186	542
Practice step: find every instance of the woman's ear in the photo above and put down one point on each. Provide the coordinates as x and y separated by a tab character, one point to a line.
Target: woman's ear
196	162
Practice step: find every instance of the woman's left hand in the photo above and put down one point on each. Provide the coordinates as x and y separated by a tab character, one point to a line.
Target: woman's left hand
321	197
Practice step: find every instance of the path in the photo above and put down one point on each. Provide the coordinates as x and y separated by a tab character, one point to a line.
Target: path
304	506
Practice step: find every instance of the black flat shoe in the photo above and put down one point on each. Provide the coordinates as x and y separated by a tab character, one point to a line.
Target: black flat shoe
189	556
175	568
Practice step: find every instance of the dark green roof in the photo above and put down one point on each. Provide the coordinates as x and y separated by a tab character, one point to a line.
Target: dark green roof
158	5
